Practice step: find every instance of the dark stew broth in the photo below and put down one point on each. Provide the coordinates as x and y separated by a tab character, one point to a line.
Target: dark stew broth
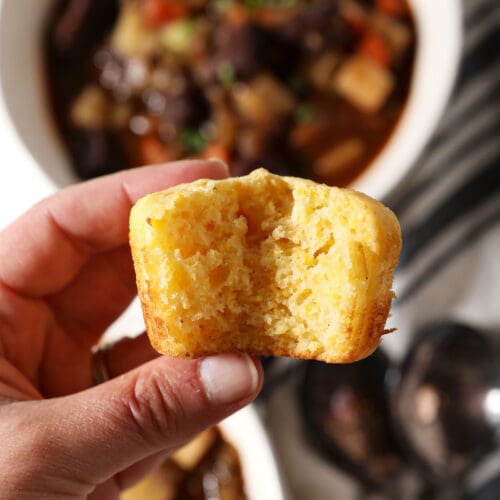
309	88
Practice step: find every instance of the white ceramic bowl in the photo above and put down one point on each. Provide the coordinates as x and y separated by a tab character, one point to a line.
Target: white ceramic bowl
439	42
260	472
439	30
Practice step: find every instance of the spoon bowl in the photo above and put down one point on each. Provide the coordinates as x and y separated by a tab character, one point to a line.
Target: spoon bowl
444	405
345	410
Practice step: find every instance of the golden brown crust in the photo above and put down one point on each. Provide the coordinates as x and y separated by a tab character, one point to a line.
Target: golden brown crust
202	296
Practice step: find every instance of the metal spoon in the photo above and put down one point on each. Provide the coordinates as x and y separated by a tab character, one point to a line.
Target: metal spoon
444	405
346	415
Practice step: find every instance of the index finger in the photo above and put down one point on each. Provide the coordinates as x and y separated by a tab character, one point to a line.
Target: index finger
46	247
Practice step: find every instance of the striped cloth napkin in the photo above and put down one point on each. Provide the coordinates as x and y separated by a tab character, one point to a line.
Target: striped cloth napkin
450	265
450	209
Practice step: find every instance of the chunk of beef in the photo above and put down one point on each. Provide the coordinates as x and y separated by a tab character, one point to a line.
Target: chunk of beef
319	27
79	25
251	49
183	105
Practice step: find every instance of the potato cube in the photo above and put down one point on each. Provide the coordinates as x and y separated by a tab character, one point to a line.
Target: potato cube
132	37
337	159
90	109
263	101
189	456
321	70
162	484
364	83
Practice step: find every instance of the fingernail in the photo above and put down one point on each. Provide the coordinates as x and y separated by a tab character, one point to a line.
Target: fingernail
228	378
221	163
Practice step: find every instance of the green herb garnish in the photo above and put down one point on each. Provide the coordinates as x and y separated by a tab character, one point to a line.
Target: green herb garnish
223	4
253	4
304	113
226	74
296	83
176	36
192	140
257	4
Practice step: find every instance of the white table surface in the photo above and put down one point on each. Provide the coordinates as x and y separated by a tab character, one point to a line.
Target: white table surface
22	183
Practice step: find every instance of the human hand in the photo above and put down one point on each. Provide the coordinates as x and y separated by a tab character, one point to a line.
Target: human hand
65	275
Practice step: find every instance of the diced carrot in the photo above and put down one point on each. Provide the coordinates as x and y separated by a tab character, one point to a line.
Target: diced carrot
216	150
152	150
272	16
159	12
340	157
237	15
374	46
355	17
305	134
392	7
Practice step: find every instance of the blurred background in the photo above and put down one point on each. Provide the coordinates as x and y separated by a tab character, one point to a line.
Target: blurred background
396	98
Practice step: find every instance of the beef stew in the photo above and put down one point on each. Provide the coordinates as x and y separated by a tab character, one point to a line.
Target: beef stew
312	88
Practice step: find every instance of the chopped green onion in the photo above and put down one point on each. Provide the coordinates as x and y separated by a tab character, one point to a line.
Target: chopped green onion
296	83
176	36
253	4
226	73
192	140
304	113
282	3
257	4
223	5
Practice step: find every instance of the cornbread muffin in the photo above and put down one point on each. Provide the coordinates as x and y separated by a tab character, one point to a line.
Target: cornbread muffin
264	264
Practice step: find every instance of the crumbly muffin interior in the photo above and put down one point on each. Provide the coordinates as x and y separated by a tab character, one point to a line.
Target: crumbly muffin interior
267	266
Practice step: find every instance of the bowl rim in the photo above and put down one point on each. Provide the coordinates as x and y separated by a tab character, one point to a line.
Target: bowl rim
245	431
427	99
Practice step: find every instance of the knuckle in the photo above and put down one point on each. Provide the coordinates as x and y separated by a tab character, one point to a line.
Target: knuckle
155	407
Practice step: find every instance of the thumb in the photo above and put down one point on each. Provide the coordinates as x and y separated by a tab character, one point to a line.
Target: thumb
86	438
